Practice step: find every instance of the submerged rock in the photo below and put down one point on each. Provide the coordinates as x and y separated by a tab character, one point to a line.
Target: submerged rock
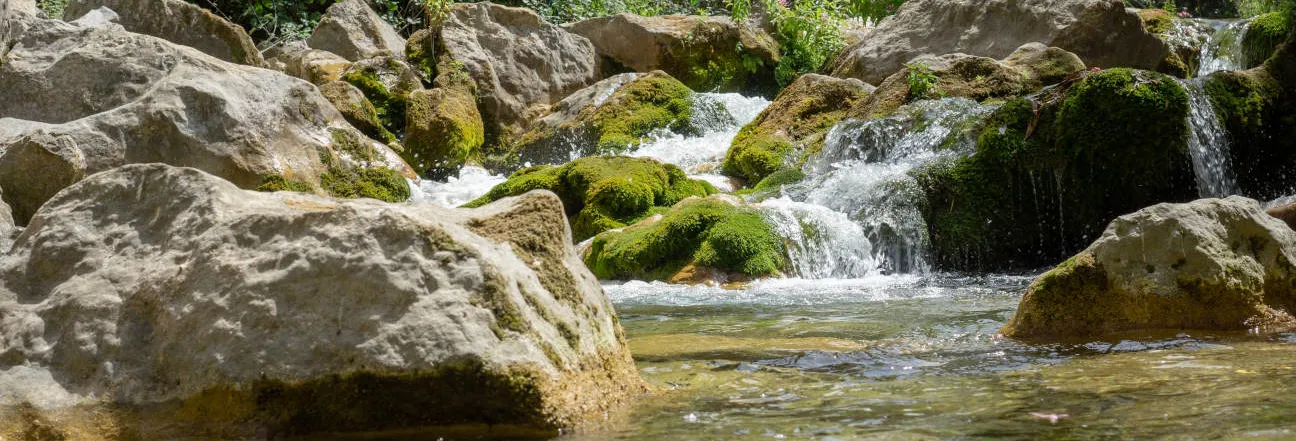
705	53
610	117
521	63
1216	264
1048	174
715	240
604	192
194	307
351	29
1101	32
792	128
179	22
111	97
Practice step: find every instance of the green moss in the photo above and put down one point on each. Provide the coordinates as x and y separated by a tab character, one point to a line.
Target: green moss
753	157
779	179
651	103
1260	117
276	182
713	57
1262	37
1156	21
444	130
1042	184
420	50
383	184
600	193
388	104
705	232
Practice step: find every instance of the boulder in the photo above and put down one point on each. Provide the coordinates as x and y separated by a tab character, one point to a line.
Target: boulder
421	52
1285	213
1211	264
610	117
704	52
387	82
34	168
194	307
27	7
8	229
351	29
521	63
179	22
603	192
443	130
792	128
1049	172
967	76
1184	37
714	240
1101	32
117	97
314	65
1262	36
356	109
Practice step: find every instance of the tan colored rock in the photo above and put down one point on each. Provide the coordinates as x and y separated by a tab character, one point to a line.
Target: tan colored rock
1101	32
1211	264
317	66
1048	65
195	307
521	63
704	52
34	168
351	29
179	22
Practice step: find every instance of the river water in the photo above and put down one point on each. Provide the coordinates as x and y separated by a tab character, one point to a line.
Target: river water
866	342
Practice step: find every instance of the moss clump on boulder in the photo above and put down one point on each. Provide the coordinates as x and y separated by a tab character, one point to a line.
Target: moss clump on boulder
1042	183
356	109
443	130
387	82
383	184
602	193
793	126
1156	21
711	232
1262	37
609	117
276	182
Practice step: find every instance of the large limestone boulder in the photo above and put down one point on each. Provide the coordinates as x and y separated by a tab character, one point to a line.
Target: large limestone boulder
603	192
314	65
179	22
15	7
1101	32
351	29
35	167
521	63
1209	264
793	127
194	307
610	117
704	52
97	97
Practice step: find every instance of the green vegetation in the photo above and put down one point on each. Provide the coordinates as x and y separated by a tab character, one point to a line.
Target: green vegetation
380	183
707	232
276	182
601	193
1051	178
389	104
923	83
653	102
1156	21
1262	36
809	36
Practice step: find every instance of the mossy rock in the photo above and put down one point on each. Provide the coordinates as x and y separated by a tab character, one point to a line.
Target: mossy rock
954	75
612	116
793	126
1156	21
443	130
1044	182
421	52
357	169
387	82
1262	37
604	192
276	182
707	232
356	109
1258	110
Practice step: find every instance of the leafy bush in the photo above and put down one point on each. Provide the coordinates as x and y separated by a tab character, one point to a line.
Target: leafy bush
923	83
809	36
273	21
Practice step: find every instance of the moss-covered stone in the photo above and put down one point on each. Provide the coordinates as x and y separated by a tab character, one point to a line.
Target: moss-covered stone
956	75
1262	37
387	82
1258	109
276	182
1156	21
601	193
356	109
383	184
793	126
421	51
610	117
1044	182
701	232
443	130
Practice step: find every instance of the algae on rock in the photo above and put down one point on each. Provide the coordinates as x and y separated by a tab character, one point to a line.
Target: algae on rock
603	192
714	232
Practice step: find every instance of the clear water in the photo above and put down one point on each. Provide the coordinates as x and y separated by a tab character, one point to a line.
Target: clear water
1208	144
1223	51
917	358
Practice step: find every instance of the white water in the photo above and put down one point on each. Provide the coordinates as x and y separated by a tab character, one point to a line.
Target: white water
864	170
702	155
1209	145
822	243
1223	51
471	183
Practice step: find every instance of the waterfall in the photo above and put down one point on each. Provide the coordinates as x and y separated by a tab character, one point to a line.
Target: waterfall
718	116
822	243
863	173
470	183
1208	144
1223	51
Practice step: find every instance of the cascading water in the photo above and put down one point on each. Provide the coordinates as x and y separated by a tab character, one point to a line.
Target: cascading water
1208	144
1223	51
863	172
701	155
471	183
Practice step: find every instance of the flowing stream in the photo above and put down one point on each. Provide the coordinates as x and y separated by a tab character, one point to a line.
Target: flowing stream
1208	144
1223	51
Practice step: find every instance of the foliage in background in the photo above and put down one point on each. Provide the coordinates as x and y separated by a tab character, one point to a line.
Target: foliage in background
566	11
273	21
809	35
53	8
